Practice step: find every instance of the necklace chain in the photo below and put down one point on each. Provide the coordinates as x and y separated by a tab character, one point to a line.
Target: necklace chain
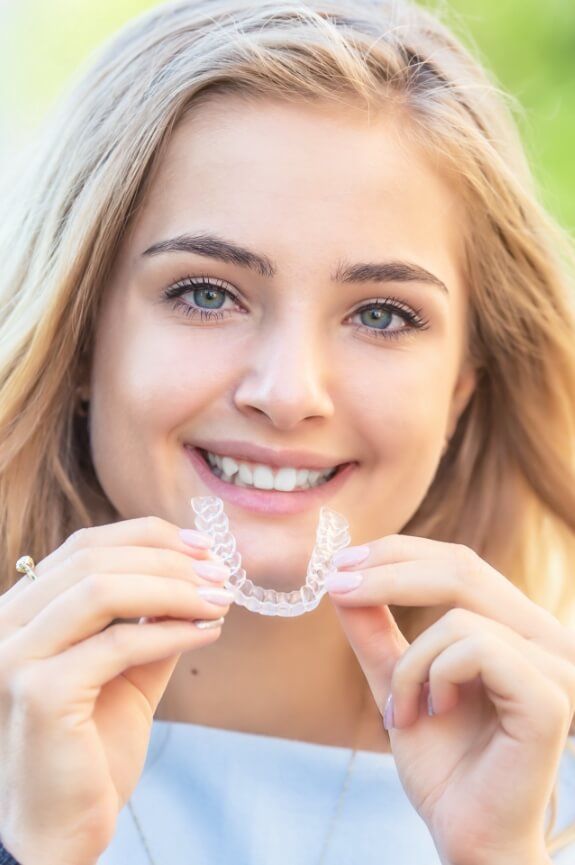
337	810
328	836
141	833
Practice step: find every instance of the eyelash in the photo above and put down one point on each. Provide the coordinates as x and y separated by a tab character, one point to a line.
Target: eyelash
412	316
190	283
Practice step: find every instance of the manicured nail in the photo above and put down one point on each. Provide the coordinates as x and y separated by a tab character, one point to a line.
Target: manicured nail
343	581
212	571
196	539
220	597
208	624
350	556
388	714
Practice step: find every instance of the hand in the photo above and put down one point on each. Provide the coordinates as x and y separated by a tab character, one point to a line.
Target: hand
499	674
86	652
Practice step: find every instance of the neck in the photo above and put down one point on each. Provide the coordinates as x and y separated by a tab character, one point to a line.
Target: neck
290	678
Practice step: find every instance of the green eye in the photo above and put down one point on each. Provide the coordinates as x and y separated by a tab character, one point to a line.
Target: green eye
209	298
376	317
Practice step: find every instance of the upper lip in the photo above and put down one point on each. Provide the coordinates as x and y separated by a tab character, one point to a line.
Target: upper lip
245	451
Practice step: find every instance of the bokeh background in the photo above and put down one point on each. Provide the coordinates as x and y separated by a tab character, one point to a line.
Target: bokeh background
528	44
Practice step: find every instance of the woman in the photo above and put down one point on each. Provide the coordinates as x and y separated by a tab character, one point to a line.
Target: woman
288	255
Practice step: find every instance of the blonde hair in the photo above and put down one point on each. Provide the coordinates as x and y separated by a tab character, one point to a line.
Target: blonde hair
506	486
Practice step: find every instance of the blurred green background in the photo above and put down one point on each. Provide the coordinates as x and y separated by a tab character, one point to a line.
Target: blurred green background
528	44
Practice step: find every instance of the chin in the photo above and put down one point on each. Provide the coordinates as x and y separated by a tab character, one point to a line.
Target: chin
275	567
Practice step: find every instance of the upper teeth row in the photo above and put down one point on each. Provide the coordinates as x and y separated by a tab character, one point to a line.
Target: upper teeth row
264	477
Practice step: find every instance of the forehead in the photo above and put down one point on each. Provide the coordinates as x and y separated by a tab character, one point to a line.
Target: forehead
295	175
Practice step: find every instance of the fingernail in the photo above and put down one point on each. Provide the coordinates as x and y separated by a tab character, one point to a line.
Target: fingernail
350	556
388	714
208	624
196	539
343	581
212	571
430	709
220	597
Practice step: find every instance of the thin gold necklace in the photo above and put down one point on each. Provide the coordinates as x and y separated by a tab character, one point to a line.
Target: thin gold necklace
328	836
337	810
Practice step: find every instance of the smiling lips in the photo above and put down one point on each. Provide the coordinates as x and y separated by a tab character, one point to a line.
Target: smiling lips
260	476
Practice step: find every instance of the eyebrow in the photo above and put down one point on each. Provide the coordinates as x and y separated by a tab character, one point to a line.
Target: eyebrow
227	251
212	246
388	271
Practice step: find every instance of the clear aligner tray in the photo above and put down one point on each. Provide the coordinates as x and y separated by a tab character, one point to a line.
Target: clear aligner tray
332	535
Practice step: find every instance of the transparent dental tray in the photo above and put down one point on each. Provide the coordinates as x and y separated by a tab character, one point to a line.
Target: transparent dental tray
332	535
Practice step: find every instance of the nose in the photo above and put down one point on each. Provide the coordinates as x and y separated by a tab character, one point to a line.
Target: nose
286	379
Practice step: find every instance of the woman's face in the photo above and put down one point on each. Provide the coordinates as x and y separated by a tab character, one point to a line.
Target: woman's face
287	309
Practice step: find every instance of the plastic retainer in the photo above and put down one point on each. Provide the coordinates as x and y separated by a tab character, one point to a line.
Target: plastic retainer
332	535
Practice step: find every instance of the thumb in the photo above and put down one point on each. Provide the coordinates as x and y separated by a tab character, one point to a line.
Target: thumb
377	642
152	678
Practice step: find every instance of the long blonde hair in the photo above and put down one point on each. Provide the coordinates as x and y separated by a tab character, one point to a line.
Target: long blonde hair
506	485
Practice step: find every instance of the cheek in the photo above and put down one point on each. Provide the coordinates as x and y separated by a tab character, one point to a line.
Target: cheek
155	378
403	402
402	411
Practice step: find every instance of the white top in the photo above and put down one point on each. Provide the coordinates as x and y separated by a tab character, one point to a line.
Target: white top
215	797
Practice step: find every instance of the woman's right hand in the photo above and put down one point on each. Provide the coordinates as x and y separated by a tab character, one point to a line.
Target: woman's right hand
86	652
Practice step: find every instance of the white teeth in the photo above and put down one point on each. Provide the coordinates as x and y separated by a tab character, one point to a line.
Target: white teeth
246	475
214	460
302	477
262	477
285	480
229	466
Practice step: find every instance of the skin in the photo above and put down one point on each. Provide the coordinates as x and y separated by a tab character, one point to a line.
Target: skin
288	370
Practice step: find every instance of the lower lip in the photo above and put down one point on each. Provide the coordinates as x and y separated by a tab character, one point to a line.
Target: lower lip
267	501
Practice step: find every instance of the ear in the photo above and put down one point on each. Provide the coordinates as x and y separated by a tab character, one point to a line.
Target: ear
462	393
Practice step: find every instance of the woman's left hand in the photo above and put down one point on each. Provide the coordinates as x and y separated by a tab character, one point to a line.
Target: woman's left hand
498	673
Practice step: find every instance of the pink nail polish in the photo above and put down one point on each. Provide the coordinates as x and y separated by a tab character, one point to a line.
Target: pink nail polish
196	539
219	597
343	581
350	556
389	714
212	571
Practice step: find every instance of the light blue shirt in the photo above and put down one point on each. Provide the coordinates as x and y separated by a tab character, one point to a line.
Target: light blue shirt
215	797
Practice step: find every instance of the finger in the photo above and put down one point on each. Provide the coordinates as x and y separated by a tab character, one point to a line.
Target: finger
377	643
413	669
117	560
94	603
143	532
77	675
517	689
471	584
395	548
152	678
